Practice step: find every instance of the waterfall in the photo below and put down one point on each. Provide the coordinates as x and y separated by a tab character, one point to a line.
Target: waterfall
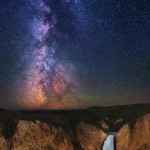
109	143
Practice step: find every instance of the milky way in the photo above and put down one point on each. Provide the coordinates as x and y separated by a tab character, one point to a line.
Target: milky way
59	54
48	81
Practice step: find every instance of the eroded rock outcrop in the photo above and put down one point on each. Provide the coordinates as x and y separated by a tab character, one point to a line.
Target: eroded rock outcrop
89	137
39	136
123	138
136	138
3	143
36	136
104	125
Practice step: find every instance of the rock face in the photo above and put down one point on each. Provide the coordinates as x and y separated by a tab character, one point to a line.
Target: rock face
104	125
89	137
123	138
137	138
3	144
37	136
41	136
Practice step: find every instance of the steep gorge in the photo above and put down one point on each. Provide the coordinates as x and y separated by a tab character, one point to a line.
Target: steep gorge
76	130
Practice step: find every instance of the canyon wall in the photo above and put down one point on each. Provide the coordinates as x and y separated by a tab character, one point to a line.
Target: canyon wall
90	137
41	136
37	136
137	138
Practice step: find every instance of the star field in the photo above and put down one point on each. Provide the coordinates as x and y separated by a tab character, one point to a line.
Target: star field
74	53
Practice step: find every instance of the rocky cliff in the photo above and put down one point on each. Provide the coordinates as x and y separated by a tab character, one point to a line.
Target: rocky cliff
76	129
90	137
41	136
3	144
137	138
37	136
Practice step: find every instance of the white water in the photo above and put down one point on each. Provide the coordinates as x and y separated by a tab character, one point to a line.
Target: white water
109	143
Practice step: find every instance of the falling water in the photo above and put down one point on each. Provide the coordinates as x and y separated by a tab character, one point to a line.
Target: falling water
109	143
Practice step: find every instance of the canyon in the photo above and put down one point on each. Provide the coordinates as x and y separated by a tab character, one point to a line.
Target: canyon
76	129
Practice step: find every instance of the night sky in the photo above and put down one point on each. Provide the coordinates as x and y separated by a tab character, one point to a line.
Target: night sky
60	54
